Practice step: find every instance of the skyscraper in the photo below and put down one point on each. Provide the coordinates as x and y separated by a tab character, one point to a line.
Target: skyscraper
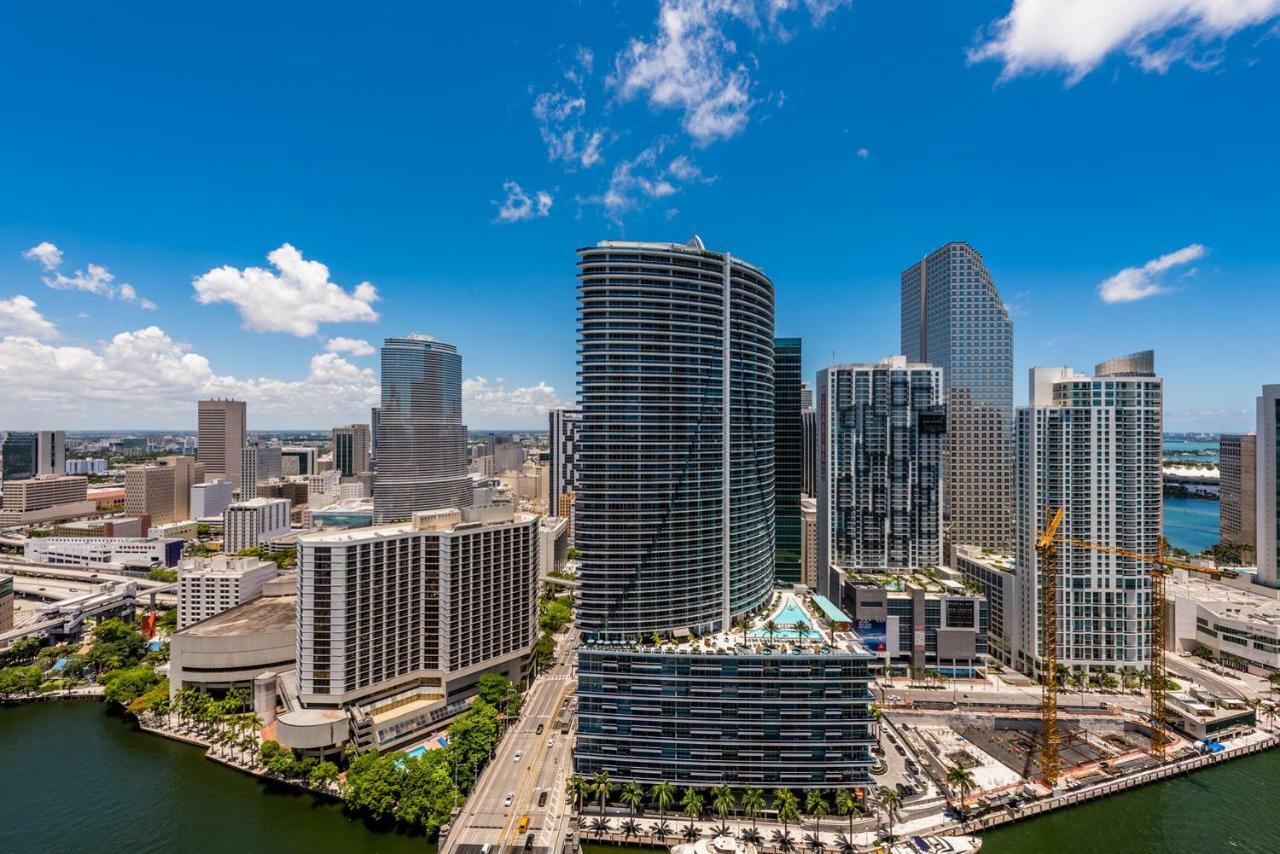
675	488
1093	447
953	318
375	415
1238	488
34	454
351	449
422	443
880	478
1268	451
564	425
788	458
220	438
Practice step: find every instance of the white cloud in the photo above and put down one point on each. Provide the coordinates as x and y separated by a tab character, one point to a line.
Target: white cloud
864	153
18	315
493	404
144	377
354	346
639	179
1076	36
519	205
1135	283
48	255
683	169
560	112
94	279
296	298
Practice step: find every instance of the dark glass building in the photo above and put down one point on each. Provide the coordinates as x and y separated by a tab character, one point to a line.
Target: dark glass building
20	453
788	458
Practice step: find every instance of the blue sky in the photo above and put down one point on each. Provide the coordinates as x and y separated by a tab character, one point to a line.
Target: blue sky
455	160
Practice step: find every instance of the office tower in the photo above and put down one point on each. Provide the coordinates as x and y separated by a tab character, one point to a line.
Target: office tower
675	523
1238	490
953	318
351	449
375	415
220	437
806	396
251	524
259	463
148	491
788	459
809	426
508	455
41	453
406	616
1268	488
880	479
210	498
809	542
565	424
209	586
422	443
1093	447
297	460
674	515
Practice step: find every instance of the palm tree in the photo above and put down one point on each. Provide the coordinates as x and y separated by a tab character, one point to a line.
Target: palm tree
600	825
633	796
602	787
579	788
722	800
691	803
784	802
770	629
801	628
664	795
962	783
816	805
847	804
752	804
890	799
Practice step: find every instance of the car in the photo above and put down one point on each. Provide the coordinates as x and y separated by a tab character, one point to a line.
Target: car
551	741
524	824
486	848
894	698
539	731
901	752
542	799
511	796
528	842
517	756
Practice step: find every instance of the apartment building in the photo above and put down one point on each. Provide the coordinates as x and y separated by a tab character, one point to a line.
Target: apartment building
209	586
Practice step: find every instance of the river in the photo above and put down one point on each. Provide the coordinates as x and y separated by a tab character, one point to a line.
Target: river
74	778
1190	523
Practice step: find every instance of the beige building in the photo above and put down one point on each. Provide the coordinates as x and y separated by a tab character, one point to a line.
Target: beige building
6	603
162	491
45	499
221	437
1238	485
809	541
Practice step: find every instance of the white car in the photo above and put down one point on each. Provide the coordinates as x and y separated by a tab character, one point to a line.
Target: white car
511	796
551	742
894	698
517	757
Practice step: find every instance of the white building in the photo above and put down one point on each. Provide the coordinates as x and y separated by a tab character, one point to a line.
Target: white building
211	498
1091	446
104	551
553	544
324	488
86	467
1268	486
248	524
209	586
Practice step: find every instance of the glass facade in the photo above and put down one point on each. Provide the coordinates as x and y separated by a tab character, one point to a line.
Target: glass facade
20	451
788	455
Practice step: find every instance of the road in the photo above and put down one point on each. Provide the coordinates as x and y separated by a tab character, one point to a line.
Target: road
543	766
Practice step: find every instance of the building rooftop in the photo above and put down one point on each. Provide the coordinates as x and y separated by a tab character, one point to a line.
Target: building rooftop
220	565
448	519
257	502
991	559
264	614
1227	600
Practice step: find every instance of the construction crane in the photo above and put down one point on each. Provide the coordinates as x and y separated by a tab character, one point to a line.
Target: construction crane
1161	565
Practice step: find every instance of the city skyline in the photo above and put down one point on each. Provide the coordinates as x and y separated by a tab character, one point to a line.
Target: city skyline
268	266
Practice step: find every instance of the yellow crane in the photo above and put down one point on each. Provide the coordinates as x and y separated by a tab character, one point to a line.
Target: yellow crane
1160	566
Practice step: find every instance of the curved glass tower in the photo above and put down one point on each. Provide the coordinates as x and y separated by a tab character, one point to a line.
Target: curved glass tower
674	512
422	443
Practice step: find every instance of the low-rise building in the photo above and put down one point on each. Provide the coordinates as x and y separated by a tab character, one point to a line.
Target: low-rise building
6	603
107	526
209	586
995	575
341	515
247	524
211	498
1239	628
188	529
44	499
104	552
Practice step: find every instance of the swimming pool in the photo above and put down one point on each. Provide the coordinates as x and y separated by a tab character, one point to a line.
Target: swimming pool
790	614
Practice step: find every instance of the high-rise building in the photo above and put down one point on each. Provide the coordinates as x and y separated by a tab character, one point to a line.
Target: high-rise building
880	474
210	498
1238	490
42	453
1091	446
375	416
806	395
400	621
250	524
220	437
162	491
788	459
809	542
209	586
259	463
422	442
564	424
1266	452
508	455
351	449
953	318
675	523
674	515
809	424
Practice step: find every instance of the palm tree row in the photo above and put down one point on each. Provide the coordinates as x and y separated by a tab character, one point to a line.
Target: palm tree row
226	723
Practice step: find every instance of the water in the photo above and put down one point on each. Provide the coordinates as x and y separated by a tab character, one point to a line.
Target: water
1190	523
791	614
1229	808
74	778
1184	450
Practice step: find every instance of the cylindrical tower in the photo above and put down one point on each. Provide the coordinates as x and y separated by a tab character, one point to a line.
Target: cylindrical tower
422	443
674	513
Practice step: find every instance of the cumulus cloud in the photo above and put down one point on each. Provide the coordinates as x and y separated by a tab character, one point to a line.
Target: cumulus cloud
519	205
295	298
1135	283
493	404
354	346
864	153
145	377
640	179
94	279
46	254
18	315
692	65
1075	37
560	113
